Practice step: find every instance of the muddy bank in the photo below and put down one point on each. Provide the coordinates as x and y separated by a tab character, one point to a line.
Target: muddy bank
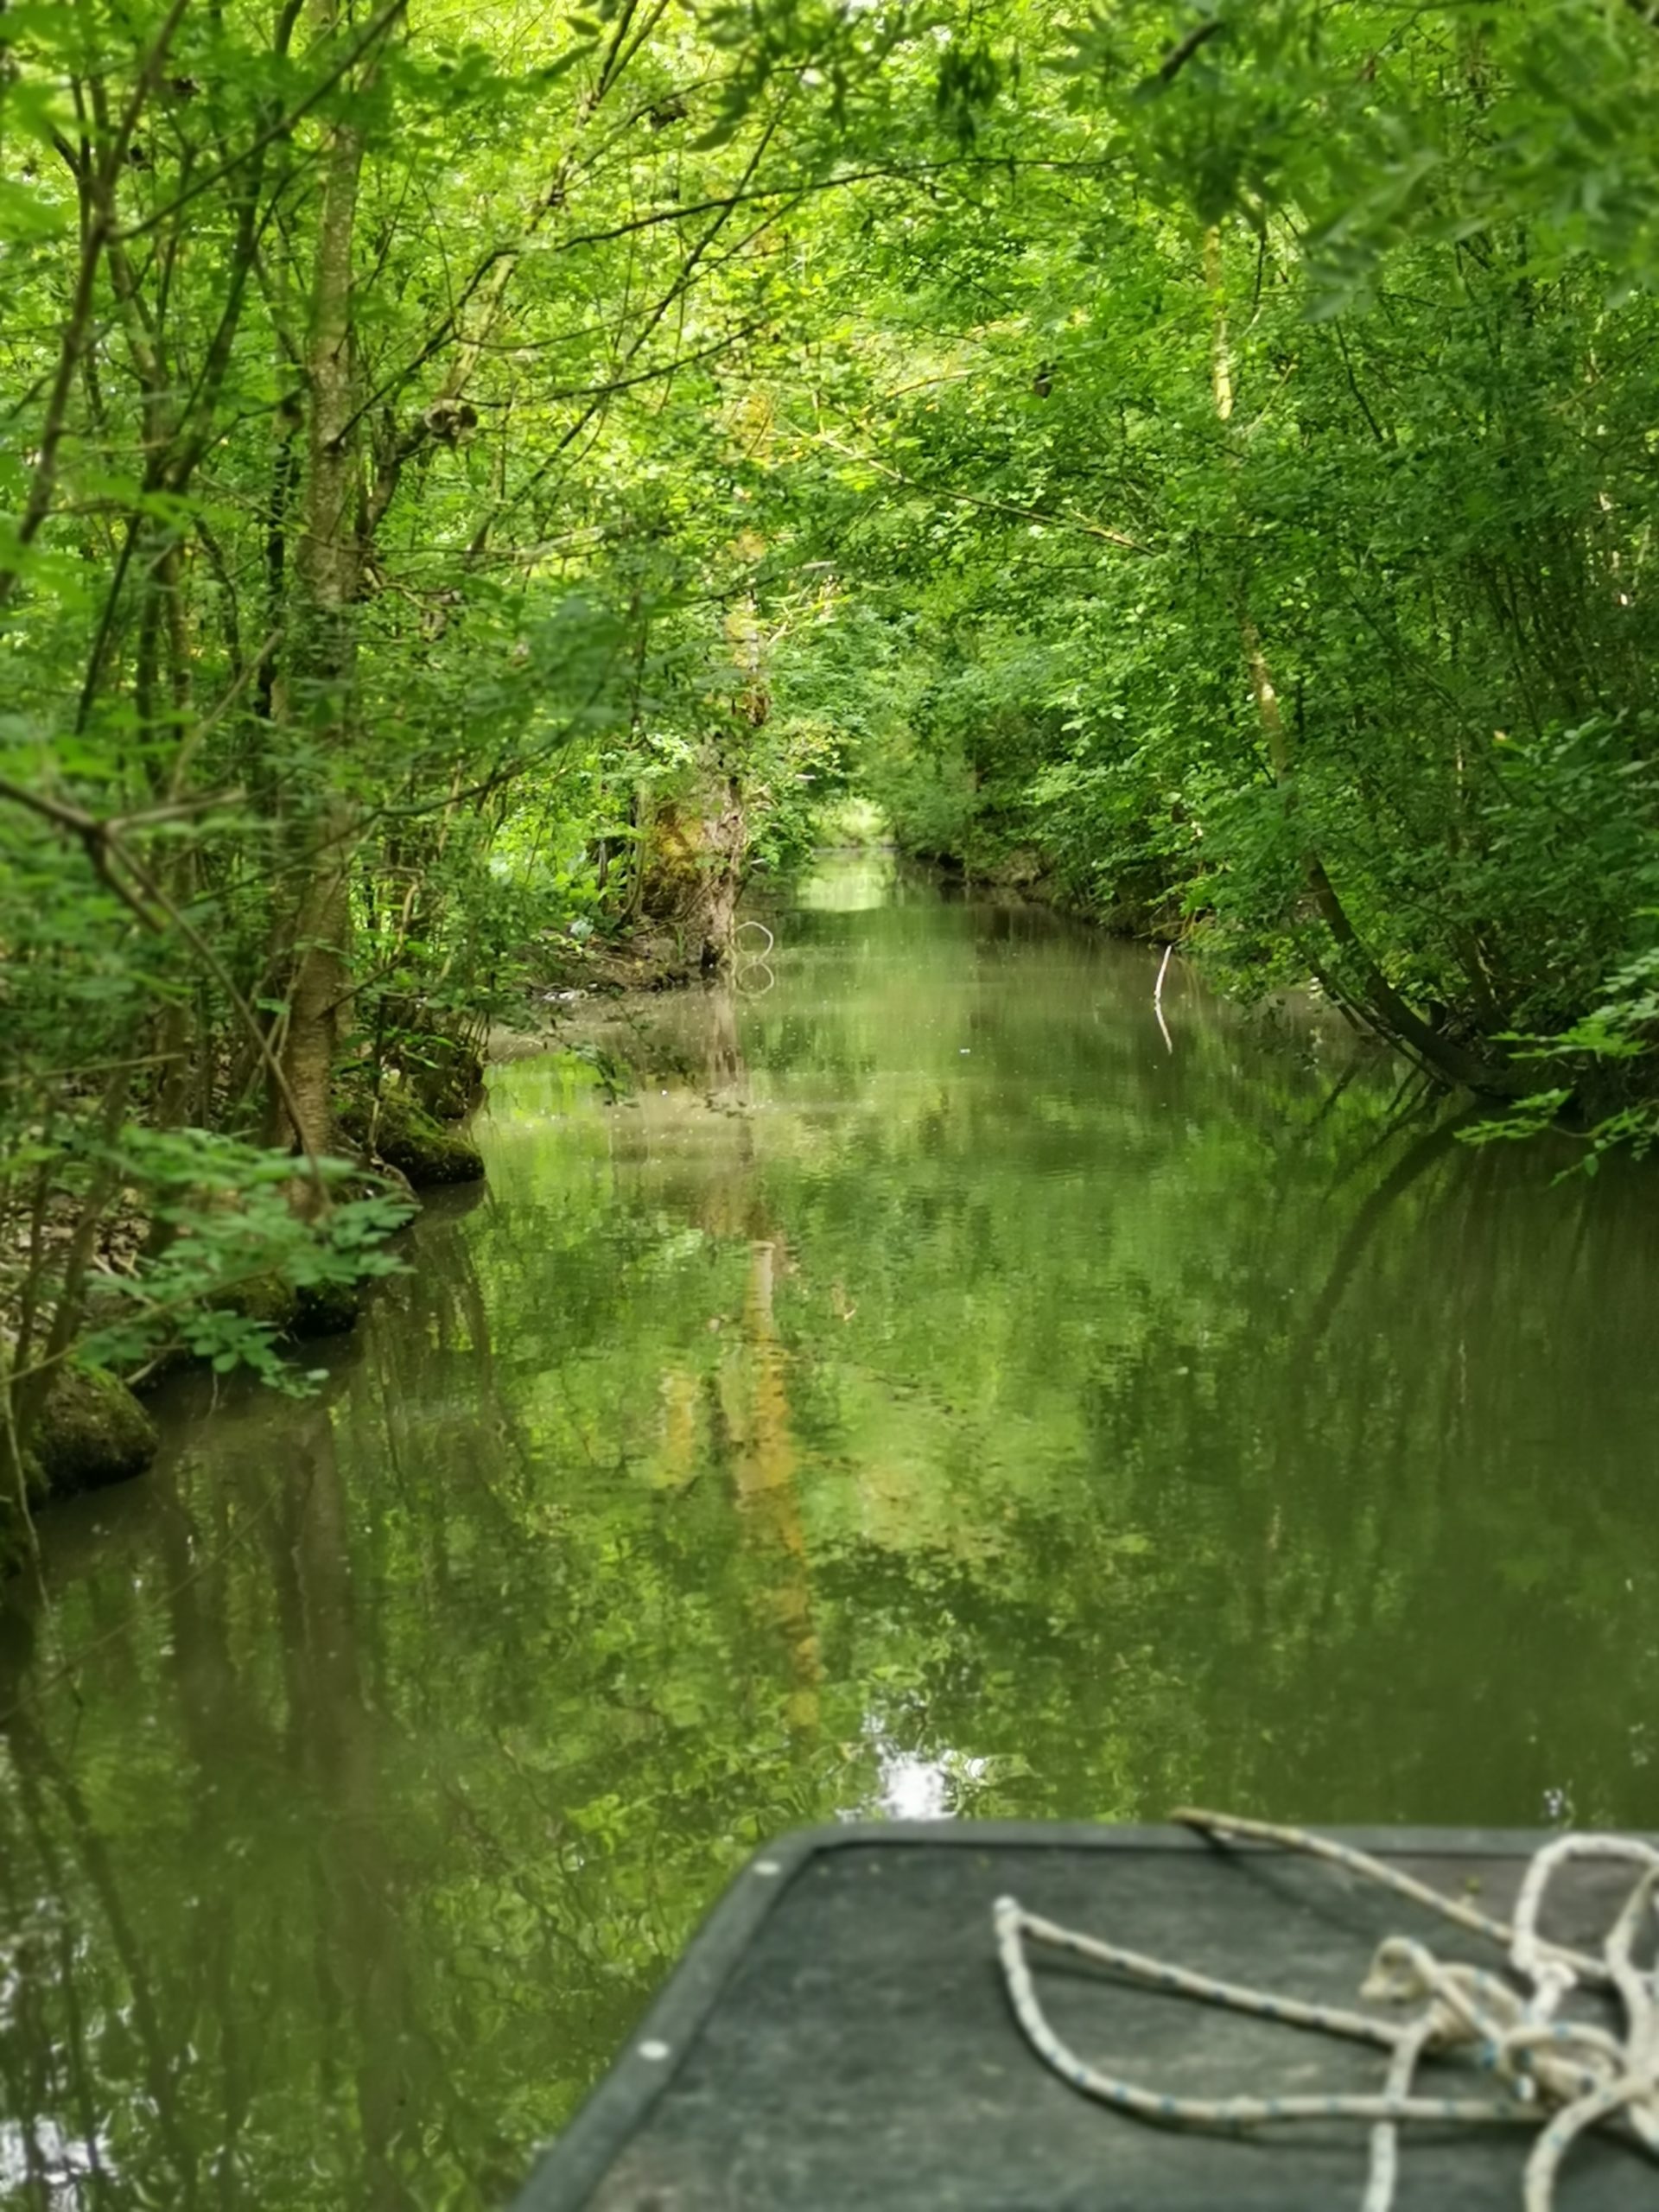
650	957
597	990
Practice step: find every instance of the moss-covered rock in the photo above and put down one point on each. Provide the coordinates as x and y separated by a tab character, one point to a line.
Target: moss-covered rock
328	1309
408	1138
90	1431
269	1299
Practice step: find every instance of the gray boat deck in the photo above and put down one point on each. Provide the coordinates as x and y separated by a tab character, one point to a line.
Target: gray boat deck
838	2036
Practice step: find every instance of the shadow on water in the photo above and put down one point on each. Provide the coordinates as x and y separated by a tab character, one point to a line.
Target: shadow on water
933	1395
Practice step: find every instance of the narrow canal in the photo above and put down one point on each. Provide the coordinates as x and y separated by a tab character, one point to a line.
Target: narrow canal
934	1393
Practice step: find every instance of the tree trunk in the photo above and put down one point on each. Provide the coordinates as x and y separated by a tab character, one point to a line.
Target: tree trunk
694	863
323	665
724	865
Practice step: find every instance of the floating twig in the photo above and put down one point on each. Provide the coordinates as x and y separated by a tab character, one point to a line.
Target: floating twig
1158	997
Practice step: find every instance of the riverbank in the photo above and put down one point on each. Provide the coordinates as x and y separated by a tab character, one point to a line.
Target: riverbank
93	1426
1023	875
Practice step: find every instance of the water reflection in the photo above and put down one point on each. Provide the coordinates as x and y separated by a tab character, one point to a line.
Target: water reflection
929	1396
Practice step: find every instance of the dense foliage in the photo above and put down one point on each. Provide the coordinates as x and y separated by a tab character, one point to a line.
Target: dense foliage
1249	526
471	473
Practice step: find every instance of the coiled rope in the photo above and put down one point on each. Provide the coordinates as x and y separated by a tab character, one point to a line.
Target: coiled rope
753	962
1562	2076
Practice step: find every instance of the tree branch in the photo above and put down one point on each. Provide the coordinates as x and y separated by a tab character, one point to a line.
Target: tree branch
1178	55
381	24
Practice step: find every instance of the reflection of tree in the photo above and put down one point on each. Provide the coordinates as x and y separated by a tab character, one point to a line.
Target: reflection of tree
212	1701
1422	1152
754	1398
725	1070
63	1841
334	1752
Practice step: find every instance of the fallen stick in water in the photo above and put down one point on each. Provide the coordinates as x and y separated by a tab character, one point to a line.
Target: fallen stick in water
1158	997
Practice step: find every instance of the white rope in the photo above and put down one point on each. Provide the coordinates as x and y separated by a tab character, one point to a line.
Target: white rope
751	963
1559	2075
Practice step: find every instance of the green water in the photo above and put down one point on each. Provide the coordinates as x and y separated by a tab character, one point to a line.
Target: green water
936	1395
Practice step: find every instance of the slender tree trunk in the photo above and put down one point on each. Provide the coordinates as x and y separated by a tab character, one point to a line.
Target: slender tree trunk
179	1041
323	662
